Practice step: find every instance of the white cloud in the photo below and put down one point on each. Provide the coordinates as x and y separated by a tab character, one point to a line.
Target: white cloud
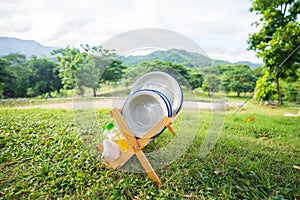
220	27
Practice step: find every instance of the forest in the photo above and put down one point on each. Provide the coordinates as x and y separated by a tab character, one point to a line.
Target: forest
74	68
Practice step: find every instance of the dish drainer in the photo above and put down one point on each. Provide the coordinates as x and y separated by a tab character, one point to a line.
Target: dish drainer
136	145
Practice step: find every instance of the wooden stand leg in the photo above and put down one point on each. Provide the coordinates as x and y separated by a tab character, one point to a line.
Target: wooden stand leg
125	156
171	130
147	166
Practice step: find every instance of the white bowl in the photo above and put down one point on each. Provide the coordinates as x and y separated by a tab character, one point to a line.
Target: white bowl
143	109
164	83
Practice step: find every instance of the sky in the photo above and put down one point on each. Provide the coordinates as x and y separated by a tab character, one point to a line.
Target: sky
220	27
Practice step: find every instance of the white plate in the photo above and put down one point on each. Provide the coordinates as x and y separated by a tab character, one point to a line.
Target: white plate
164	83
143	109
166	100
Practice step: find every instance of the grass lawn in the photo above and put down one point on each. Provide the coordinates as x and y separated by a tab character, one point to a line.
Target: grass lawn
43	157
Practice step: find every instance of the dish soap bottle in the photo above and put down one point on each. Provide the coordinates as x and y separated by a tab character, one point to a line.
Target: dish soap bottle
113	134
110	131
111	150
121	141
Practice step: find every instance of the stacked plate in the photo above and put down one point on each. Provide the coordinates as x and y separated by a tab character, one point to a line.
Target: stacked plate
153	96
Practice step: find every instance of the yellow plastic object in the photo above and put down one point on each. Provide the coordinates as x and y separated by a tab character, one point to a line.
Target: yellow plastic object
122	143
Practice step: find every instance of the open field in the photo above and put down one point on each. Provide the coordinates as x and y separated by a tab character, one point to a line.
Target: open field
43	157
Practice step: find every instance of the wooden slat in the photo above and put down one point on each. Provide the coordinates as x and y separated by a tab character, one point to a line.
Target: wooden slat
156	128
147	166
124	128
175	116
124	157
144	141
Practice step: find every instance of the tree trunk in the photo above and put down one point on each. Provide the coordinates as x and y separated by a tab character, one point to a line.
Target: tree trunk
280	102
238	94
81	91
210	92
49	90
94	92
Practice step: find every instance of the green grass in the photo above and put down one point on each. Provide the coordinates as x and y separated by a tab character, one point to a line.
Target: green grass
43	157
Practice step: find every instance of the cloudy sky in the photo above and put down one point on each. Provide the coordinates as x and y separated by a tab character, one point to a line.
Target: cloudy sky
220	27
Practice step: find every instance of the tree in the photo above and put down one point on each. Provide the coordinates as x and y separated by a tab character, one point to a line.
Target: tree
113	72
239	78
88	75
179	72
265	88
277	38
99	67
70	61
95	71
19	75
291	88
195	78
224	71
98	51
44	77
211	80
5	76
89	68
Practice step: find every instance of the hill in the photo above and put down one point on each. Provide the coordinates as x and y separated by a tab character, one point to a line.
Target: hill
189	59
185	58
252	65
27	47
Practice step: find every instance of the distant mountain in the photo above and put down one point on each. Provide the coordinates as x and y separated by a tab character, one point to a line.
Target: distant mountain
182	57
185	58
27	47
252	65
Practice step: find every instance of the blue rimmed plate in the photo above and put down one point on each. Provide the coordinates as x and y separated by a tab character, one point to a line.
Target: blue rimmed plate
143	109
164	83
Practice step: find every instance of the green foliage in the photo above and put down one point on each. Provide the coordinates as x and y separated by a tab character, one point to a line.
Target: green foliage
278	37
114	71
234	78
291	88
89	74
70	61
195	78
212	80
5	76
265	88
97	70
25	78
179	72
238	78
291	91
44	77
94	66
18	80
75	69
89	68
